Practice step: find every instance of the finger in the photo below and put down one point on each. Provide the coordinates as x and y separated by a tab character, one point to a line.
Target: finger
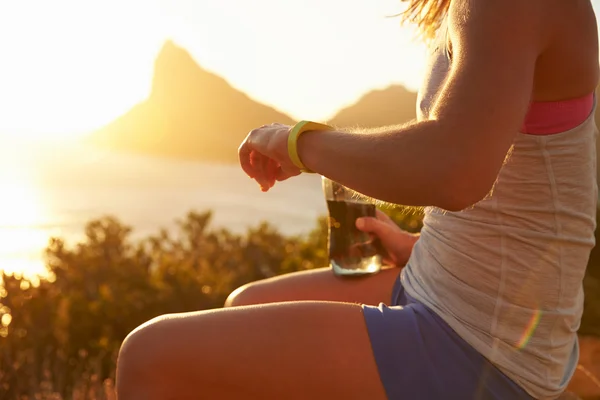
383	217
246	152
268	172
260	164
372	225
271	173
257	164
244	155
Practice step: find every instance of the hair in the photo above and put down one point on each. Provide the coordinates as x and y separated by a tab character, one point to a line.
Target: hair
426	14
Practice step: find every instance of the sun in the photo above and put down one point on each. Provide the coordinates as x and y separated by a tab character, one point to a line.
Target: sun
70	67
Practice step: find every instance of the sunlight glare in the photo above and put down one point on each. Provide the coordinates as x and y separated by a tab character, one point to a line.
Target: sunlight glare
72	66
21	214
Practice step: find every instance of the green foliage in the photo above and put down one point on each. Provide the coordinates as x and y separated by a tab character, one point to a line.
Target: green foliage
60	336
63	333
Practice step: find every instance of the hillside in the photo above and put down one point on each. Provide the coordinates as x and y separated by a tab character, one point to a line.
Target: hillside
390	106
190	113
194	114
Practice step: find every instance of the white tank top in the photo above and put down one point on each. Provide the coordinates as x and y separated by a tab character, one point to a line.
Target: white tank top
506	274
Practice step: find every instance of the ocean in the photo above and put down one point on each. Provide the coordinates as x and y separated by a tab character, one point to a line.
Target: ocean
46	193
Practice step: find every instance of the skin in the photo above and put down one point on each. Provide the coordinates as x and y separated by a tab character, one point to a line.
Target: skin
397	243
505	52
317	284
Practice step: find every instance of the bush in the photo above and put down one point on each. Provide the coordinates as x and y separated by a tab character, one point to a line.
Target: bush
60	336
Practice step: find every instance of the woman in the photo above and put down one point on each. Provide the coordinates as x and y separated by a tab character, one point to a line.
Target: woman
489	302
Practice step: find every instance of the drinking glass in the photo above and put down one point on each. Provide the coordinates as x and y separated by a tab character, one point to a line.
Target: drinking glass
351	251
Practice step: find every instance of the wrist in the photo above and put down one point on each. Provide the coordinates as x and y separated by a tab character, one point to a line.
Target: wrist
405	256
306	148
295	134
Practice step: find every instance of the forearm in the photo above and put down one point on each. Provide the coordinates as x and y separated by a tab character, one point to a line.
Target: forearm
415	165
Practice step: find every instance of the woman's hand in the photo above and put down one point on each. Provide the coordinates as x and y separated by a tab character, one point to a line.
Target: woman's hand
397	243
264	155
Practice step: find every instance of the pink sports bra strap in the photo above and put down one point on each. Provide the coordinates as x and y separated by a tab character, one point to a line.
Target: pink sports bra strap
547	118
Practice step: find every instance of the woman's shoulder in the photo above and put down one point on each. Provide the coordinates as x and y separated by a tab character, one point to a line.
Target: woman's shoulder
568	66
563	36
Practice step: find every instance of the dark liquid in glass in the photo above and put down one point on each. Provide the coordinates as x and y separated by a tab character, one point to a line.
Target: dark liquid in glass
351	252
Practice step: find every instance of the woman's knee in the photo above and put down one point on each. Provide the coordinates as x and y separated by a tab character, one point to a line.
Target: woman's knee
249	294
318	284
287	287
139	362
304	285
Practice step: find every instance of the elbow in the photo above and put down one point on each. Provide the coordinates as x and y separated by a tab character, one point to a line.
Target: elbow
458	202
463	190
467	170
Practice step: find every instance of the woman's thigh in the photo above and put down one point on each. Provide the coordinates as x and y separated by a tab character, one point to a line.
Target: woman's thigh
294	350
318	284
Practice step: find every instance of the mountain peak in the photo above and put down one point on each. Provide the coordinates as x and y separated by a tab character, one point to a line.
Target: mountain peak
171	54
173	68
190	113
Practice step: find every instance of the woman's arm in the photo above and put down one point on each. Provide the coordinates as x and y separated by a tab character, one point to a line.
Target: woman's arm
452	160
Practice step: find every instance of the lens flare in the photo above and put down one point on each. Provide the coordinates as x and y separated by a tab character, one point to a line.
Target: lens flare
530	329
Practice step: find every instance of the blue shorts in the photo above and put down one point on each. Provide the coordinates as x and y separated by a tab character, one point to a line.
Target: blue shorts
420	357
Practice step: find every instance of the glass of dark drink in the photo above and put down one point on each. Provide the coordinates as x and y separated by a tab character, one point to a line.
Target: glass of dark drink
351	251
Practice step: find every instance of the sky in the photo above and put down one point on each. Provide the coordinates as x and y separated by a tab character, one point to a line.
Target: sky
68	67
